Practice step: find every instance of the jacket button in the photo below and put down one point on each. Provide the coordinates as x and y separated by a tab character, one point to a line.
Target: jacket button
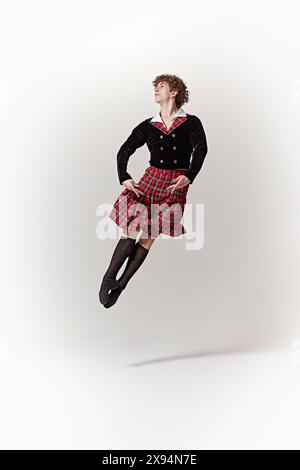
174	148
161	161
173	135
175	161
161	136
161	148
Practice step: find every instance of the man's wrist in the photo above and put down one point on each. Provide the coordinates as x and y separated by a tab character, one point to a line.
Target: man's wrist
125	178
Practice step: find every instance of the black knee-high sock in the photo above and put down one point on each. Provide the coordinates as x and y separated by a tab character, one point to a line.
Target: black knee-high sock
133	264
125	247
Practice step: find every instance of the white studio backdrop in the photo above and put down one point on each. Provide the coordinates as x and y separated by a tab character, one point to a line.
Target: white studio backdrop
75	78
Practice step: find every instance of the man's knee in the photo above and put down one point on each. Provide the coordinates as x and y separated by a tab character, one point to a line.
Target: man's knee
146	241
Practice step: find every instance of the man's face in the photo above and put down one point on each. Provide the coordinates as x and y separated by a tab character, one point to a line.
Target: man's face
163	93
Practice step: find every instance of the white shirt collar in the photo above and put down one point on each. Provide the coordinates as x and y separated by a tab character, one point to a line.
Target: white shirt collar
157	117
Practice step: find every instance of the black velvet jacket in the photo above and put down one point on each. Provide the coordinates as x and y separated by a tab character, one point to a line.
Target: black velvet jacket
182	146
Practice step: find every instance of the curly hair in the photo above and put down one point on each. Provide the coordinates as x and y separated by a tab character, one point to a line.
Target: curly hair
175	83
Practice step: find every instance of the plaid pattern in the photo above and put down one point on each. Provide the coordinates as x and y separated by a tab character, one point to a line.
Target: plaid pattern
176	122
157	210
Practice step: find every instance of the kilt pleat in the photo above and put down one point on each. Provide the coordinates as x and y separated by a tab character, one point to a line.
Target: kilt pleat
157	210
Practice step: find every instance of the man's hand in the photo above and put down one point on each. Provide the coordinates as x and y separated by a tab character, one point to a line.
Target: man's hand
132	185
180	181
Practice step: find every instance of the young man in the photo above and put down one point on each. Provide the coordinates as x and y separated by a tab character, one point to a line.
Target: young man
178	146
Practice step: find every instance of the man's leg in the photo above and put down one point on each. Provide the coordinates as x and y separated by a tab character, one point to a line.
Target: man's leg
142	248
125	247
146	242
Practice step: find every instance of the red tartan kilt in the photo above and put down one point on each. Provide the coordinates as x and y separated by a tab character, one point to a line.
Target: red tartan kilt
157	210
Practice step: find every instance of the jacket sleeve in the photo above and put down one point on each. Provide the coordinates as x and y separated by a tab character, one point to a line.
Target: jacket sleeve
137	138
198	140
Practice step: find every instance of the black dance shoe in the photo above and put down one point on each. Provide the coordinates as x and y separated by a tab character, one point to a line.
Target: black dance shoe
113	296
107	285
